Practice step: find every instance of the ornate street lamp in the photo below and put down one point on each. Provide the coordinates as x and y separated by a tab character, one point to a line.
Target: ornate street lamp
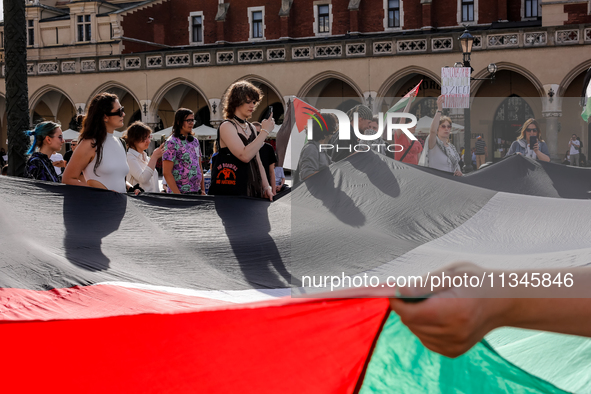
467	40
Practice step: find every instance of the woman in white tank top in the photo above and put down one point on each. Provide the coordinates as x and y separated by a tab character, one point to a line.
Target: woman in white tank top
100	156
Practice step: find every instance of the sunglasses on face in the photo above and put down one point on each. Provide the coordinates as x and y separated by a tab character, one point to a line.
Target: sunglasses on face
190	120
445	126
118	112
532	130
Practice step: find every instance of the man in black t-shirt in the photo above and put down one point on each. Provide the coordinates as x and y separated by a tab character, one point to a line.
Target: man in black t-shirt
268	158
68	154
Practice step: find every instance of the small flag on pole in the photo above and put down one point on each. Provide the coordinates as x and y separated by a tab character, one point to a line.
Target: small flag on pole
400	105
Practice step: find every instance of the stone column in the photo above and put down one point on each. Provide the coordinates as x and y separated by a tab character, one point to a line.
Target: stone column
80	108
427	14
552	111
551	134
369	99
284	16
215	114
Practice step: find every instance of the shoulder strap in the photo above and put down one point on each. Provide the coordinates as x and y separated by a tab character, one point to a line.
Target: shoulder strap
219	127
408	150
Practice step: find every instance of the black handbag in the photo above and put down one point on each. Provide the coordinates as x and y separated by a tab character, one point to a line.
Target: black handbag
229	175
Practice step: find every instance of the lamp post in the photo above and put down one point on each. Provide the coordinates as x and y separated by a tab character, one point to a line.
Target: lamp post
466	41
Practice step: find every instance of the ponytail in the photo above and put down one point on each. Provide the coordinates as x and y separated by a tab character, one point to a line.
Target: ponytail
41	131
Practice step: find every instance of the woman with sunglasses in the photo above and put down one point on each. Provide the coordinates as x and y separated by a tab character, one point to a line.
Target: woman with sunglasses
237	169
100	155
181	160
439	152
523	146
142	168
48	139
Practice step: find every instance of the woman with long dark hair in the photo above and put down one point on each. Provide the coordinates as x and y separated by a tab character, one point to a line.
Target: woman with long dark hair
100	156
181	160
237	169
48	140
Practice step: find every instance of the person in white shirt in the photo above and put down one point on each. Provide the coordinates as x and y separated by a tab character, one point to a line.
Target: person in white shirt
142	168
100	155
58	162
575	148
279	180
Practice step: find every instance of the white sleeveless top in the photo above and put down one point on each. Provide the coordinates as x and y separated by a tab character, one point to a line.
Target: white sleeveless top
113	168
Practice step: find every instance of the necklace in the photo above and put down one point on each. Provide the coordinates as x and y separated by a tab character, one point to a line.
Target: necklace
239	120
241	123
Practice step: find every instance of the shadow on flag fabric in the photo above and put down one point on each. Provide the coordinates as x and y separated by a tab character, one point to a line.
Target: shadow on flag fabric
586	97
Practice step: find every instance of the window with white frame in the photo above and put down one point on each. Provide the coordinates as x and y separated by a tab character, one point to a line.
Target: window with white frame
467	10
30	32
322	18
196	27
84	28
256	22
531	9
393	13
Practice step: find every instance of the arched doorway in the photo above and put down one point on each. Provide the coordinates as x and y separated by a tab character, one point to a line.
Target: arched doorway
183	96
53	106
333	93
425	101
507	123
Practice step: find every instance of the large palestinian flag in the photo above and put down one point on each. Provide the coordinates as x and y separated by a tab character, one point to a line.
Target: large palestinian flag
101	292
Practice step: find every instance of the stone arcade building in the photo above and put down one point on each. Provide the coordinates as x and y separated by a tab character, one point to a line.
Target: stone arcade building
159	55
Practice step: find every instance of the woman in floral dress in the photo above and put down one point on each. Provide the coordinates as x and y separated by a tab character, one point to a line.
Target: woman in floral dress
181	161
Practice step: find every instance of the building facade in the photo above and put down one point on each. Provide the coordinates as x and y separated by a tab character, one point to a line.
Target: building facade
160	55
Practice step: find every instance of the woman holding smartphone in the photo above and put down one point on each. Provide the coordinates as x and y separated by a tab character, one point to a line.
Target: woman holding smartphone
530	143
237	169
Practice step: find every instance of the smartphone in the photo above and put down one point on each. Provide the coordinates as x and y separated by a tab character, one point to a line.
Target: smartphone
532	141
268	112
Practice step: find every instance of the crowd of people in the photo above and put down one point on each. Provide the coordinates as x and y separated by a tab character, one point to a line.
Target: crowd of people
244	164
436	151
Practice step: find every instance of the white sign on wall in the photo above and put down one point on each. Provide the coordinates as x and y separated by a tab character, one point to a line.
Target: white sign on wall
455	87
